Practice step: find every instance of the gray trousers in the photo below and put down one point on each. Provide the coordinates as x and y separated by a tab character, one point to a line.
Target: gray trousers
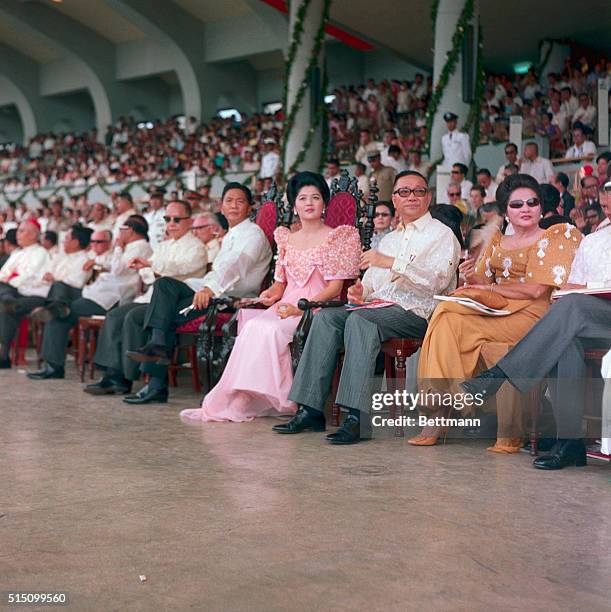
57	331
360	333
554	348
122	331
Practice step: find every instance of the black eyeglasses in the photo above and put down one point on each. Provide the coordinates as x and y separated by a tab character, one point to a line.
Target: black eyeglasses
382	215
531	203
175	219
98	241
453	194
405	192
455	172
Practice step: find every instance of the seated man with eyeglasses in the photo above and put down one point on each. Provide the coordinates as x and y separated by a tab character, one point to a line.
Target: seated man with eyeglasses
413	263
181	256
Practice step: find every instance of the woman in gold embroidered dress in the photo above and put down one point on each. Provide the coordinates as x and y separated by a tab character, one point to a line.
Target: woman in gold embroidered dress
520	271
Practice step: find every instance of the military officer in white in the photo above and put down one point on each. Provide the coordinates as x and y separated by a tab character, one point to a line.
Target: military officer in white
155	216
455	145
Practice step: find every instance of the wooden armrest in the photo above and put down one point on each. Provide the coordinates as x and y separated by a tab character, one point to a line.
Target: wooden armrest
304	304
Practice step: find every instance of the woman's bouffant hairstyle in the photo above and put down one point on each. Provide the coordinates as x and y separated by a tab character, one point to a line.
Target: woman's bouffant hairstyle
305	179
513	182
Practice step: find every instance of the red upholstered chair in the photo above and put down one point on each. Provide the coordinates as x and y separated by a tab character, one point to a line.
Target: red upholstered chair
20	343
341	210
267	220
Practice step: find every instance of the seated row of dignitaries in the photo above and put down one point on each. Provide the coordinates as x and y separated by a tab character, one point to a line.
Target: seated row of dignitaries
147	330
116	283
31	279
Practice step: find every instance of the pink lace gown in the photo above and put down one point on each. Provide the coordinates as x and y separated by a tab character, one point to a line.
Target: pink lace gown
258	376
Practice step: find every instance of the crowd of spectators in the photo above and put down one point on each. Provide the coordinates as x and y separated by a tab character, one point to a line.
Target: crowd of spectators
389	115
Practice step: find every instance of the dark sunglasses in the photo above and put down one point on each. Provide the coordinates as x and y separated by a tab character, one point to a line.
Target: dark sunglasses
382	214
453	193
98	241
175	219
531	203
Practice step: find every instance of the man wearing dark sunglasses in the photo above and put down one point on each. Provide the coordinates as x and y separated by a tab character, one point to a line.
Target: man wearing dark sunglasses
181	256
238	270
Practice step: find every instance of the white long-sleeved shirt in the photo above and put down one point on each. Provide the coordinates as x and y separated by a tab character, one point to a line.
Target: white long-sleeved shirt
269	164
24	266
539	168
66	268
426	256
592	263
585	150
241	265
181	259
456	148
120	220
155	219
121	283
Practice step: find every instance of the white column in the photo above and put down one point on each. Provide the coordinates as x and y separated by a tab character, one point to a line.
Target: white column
603	111
299	131
448	14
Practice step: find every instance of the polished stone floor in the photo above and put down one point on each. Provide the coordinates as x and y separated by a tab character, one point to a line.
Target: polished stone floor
95	494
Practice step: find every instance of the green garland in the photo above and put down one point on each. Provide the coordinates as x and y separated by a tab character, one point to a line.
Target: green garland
450	65
290	114
472	125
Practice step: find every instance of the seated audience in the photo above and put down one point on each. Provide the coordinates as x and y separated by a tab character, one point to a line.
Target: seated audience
181	256
521	270
581	148
115	286
238	270
32	279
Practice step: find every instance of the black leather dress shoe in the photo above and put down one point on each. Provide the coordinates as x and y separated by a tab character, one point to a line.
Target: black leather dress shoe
563	454
302	421
109	386
487	383
47	372
348	433
147	396
150	352
5	364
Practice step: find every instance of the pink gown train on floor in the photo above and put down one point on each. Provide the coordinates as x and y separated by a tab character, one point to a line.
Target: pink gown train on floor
258	376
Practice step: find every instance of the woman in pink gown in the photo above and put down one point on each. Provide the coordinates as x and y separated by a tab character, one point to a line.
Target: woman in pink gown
312	264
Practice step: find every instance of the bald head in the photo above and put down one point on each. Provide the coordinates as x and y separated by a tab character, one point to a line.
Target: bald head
101	242
27	234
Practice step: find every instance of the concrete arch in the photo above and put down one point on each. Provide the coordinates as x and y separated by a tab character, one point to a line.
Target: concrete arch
11	94
177	31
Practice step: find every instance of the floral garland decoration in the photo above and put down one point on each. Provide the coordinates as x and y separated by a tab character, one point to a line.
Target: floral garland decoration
290	114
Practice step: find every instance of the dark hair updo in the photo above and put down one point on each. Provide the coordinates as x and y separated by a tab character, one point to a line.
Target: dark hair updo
511	184
305	179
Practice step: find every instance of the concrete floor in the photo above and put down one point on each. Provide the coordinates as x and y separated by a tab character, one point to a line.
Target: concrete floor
94	493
